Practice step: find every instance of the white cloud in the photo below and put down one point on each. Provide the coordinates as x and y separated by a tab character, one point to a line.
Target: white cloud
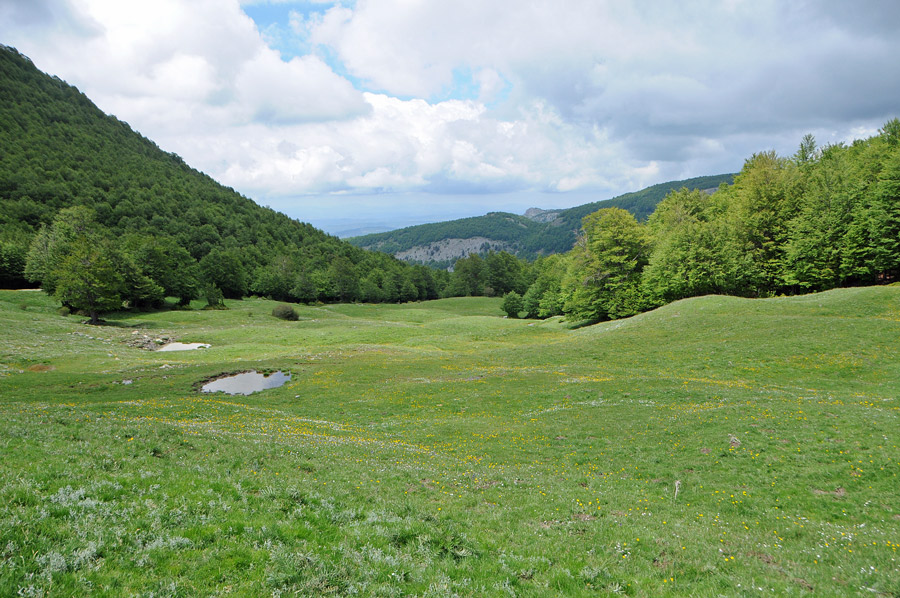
556	97
304	88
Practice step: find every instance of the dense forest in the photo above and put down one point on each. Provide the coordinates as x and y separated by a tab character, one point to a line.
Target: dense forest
73	177
527	238
823	218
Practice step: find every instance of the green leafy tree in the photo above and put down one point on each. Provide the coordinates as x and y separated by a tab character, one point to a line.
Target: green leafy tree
697	249
544	298
140	291
53	243
512	304
469	276
304	288
817	234
871	252
345	278
168	264
765	198
605	276
223	269
13	257
87	279
504	272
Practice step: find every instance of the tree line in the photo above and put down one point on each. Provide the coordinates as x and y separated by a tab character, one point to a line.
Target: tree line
820	219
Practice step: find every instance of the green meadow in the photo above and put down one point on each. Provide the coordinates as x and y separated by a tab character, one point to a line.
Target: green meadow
714	447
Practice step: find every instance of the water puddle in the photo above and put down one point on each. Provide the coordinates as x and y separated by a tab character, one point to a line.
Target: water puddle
246	383
184	346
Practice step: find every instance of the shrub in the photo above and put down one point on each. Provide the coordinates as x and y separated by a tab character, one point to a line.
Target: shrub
285	312
512	304
64	311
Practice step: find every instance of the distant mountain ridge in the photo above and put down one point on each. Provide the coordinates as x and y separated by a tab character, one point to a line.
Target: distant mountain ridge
535	233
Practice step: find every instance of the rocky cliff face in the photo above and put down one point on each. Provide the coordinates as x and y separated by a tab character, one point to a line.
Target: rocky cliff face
451	249
539	215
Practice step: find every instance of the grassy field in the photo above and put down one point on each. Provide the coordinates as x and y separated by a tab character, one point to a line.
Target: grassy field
714	447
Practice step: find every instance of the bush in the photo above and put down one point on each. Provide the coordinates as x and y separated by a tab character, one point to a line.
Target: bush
285	312
512	304
64	311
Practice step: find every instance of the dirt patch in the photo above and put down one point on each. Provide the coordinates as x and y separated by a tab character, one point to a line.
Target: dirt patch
486	485
705	451
838	492
766	558
661	562
40	367
583	517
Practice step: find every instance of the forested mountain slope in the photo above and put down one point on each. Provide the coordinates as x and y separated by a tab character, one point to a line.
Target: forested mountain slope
538	232
59	150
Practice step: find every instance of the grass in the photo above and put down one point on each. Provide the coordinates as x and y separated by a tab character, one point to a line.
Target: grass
438	449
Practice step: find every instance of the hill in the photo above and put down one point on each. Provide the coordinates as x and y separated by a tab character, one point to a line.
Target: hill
537	232
436	449
59	150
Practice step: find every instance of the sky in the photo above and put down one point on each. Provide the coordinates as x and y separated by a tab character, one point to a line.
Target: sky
384	113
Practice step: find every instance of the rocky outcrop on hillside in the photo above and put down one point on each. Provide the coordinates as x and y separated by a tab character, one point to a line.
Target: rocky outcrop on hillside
451	249
542	216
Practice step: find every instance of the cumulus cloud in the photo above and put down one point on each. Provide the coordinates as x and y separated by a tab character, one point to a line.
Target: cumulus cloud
669	77
382	96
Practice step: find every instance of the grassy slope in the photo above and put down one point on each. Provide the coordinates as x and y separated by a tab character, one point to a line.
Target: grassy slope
436	448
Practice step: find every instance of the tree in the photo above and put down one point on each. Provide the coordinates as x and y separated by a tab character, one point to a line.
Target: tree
304	288
345	278
87	279
13	254
543	297
504	272
696	249
604	278
169	265
53	243
871	248
512	304
469	276
223	269
765	198
812	252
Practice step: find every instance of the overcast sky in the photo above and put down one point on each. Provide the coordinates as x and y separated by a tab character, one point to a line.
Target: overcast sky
348	113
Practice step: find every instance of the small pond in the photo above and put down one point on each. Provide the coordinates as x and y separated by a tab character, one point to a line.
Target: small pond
184	346
246	383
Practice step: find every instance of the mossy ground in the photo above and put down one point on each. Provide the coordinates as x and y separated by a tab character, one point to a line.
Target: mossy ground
438	449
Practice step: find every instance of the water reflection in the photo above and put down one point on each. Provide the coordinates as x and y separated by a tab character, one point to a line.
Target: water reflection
246	383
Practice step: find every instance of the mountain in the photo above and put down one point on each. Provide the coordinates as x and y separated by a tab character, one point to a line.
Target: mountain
59	151
537	232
